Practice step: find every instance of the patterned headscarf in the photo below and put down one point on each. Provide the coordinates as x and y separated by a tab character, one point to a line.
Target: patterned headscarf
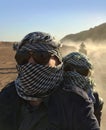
73	78
42	42
35	80
78	59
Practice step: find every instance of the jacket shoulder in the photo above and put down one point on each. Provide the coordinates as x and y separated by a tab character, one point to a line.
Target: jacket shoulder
77	93
8	93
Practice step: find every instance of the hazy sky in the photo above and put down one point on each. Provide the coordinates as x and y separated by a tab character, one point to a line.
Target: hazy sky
58	17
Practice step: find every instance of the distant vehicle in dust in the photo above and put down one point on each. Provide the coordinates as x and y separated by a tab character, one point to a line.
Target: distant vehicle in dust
82	48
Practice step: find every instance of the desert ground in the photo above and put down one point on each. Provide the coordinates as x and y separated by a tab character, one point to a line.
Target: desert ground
96	53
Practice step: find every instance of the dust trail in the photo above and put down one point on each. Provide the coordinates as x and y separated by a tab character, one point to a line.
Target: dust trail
97	53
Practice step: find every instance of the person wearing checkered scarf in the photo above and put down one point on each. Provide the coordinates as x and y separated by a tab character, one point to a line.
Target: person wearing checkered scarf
24	102
78	69
38	80
78	75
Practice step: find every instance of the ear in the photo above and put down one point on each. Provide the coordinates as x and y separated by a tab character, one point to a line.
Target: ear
53	61
56	60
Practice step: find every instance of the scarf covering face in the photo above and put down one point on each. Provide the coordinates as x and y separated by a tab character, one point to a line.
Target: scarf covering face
74	79
37	81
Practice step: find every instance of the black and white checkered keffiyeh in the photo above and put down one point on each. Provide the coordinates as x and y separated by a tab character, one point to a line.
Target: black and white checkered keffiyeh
42	42
73	78
78	59
37	81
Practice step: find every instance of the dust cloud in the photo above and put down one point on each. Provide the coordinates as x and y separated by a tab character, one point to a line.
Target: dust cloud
97	54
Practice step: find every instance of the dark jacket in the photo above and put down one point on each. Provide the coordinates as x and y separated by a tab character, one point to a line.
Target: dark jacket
98	106
66	110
